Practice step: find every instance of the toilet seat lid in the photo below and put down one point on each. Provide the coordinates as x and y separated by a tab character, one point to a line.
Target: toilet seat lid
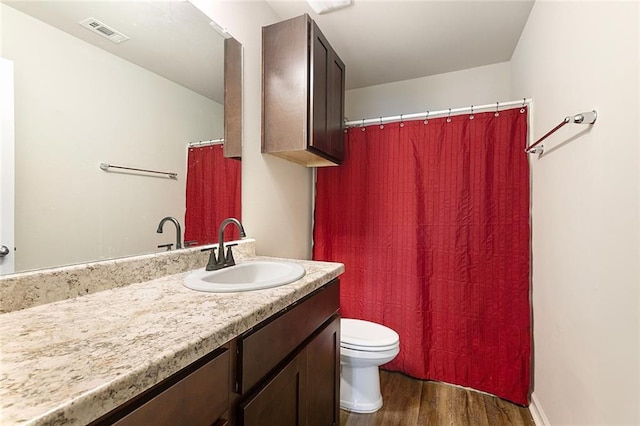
356	334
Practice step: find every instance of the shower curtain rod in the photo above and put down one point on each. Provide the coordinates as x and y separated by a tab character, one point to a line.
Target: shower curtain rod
441	113
206	143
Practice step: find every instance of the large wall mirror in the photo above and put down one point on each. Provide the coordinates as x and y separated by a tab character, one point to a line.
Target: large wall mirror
83	98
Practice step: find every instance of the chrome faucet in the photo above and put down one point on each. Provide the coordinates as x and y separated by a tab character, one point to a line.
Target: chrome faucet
222	261
178	230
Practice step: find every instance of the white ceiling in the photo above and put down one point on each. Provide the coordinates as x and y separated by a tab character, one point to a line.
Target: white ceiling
394	40
380	41
173	39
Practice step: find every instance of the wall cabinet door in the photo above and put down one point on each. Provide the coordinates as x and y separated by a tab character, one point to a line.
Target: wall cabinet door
327	97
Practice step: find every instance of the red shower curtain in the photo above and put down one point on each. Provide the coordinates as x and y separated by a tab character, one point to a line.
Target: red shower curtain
432	223
213	194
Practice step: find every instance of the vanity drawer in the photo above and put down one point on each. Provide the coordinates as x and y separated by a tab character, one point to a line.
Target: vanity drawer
261	350
200	398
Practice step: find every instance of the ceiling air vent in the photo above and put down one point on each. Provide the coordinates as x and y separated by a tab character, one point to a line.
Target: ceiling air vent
105	31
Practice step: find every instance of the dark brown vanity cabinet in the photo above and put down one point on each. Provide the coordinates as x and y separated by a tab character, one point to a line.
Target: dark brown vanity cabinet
284	371
303	391
303	89
289	369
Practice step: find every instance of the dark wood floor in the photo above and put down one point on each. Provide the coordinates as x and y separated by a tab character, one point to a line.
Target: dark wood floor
408	402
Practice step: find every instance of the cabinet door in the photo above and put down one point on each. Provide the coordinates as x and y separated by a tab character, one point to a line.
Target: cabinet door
335	106
281	401
323	376
327	97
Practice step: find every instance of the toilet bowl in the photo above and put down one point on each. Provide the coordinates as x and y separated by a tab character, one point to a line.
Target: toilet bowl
363	347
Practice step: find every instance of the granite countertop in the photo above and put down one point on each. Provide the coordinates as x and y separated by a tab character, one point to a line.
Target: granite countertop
71	361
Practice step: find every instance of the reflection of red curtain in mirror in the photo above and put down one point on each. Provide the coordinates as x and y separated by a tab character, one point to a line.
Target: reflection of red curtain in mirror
213	194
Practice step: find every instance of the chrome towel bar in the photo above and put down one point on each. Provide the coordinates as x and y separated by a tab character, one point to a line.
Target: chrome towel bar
582	118
106	167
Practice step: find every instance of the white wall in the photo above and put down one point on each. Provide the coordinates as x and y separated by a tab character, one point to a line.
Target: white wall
475	86
77	106
573	57
276	194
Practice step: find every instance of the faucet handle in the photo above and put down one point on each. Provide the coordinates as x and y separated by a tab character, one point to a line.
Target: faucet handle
213	263
190	243
229	260
167	246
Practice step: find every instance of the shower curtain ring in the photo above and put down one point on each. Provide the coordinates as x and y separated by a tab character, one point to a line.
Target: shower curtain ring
381	126
497	113
426	118
471	116
362	125
401	121
449	116
524	101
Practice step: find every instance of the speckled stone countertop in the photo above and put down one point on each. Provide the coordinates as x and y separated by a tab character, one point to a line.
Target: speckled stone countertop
71	361
39	287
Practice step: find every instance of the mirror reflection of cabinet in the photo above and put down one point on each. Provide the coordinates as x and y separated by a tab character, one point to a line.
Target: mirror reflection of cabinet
303	89
232	98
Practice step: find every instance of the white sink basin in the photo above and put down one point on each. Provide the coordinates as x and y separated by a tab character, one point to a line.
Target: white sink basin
245	276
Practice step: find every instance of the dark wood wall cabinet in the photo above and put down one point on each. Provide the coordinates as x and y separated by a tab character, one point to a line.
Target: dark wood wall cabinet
284	371
303	87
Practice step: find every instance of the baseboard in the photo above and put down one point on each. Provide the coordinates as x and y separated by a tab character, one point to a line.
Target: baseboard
537	412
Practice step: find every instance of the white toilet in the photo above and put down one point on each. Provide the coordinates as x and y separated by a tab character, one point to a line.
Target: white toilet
364	346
